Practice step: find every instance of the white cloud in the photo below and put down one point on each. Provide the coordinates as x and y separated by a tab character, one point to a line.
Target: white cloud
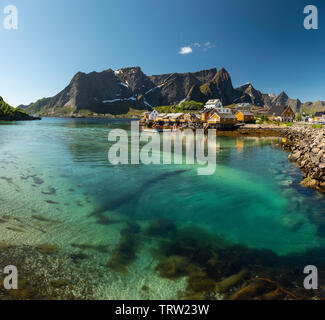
185	50
205	46
209	45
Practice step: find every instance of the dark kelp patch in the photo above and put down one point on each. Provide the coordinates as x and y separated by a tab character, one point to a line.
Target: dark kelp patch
125	252
114	205
160	227
216	269
44	219
47	249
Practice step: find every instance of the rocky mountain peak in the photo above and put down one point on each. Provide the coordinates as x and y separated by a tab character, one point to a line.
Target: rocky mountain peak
116	91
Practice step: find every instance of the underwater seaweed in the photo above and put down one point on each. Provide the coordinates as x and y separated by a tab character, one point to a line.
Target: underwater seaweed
125	252
160	227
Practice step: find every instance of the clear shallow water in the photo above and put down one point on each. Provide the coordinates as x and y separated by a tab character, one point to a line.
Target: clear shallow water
58	168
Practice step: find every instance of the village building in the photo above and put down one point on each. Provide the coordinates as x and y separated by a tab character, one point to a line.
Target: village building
319	116
222	120
206	113
145	116
212	104
223	110
191	118
245	116
243	107
281	113
259	110
153	114
161	117
176	117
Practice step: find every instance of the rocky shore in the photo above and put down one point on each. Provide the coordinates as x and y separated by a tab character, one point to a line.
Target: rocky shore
307	150
254	130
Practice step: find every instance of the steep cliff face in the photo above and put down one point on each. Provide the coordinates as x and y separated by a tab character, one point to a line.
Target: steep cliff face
173	88
103	91
114	92
283	100
221	87
256	97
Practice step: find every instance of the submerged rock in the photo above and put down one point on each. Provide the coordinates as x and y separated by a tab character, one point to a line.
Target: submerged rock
47	249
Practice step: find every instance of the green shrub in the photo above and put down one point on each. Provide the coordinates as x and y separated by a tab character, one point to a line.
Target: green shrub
185	106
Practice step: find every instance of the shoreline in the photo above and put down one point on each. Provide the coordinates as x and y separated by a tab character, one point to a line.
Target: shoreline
254	130
307	150
13	120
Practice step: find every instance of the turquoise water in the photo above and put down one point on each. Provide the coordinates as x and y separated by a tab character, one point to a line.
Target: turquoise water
58	168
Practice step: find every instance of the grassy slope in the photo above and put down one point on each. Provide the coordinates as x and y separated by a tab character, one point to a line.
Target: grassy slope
9	113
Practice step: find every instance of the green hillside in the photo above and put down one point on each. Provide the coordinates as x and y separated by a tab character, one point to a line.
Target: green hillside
9	113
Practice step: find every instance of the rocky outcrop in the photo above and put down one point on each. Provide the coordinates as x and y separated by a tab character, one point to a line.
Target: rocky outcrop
283	100
307	147
220	87
256	97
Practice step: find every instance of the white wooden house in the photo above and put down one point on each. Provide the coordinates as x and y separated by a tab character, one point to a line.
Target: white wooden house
153	114
212	104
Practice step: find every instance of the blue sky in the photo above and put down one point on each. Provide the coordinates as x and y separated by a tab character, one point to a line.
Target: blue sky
262	42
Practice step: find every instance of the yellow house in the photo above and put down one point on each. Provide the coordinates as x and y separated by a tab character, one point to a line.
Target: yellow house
176	117
190	117
222	118
319	116
161	117
244	116
205	115
145	116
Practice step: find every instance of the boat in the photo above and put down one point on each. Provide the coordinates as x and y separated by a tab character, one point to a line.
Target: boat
154	130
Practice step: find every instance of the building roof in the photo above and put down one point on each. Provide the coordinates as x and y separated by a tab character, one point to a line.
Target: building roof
213	101
207	110
175	115
245	113
225	115
277	110
243	105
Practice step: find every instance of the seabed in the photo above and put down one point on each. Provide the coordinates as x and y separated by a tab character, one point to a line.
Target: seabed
77	227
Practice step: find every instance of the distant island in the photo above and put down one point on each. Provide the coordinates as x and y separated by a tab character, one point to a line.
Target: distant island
128	92
8	113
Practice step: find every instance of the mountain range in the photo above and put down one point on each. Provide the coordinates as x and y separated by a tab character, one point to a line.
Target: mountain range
115	92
